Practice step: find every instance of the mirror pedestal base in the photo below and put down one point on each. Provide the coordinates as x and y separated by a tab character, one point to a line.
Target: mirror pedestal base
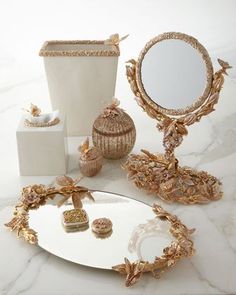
157	174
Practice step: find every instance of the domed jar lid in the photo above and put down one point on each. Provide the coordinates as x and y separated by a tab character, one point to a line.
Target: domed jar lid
113	121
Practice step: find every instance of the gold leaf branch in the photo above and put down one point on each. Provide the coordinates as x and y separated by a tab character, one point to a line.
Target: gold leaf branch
34	196
159	175
181	247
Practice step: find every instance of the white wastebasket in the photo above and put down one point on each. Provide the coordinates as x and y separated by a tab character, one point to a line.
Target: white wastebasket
81	79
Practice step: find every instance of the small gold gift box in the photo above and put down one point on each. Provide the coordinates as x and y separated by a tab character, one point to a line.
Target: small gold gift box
75	219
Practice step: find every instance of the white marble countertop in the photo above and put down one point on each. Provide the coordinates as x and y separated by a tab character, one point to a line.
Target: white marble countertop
210	145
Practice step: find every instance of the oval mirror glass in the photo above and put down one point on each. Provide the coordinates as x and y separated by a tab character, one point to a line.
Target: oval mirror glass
175	73
137	232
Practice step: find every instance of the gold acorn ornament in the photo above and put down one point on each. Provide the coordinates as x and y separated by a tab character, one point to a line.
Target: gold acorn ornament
90	160
114	132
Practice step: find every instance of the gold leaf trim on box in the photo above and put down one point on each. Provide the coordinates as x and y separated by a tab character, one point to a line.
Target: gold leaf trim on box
48	124
111	50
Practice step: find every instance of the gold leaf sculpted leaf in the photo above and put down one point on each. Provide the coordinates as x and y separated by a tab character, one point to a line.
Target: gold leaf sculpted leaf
34	196
181	247
64	180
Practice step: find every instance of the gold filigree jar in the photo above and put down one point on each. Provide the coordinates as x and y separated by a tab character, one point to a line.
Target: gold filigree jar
91	159
114	132
90	167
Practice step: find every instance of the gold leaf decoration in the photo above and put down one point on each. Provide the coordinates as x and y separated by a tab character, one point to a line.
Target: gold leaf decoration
225	65
64	180
115	39
34	196
34	110
157	174
112	110
132	270
88	153
84	147
181	247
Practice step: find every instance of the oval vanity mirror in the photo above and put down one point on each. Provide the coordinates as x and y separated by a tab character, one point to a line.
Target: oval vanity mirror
174	83
167	74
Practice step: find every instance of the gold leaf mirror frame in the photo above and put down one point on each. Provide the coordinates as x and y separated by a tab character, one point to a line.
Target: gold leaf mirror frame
37	195
160	173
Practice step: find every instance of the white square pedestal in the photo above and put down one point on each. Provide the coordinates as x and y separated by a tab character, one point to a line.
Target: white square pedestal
42	150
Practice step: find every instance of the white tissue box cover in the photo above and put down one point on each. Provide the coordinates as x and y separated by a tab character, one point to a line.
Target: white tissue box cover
42	150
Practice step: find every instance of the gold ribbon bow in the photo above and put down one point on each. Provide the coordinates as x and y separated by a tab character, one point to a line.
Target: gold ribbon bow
69	188
115	39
